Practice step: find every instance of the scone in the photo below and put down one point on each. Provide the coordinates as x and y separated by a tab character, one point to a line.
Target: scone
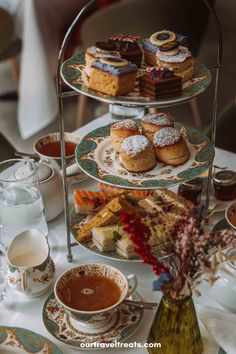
170	147
178	58
153	122
137	154
151	45
99	50
158	83
128	47
112	76
121	130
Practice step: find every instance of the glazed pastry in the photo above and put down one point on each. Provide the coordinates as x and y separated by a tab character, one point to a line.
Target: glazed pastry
158	83
112	76
128	47
151	45
153	122
177	58
121	130
137	154
99	50
170	147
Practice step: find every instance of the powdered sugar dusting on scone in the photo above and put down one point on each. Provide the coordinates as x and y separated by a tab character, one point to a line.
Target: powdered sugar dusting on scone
183	54
159	119
135	144
128	124
166	137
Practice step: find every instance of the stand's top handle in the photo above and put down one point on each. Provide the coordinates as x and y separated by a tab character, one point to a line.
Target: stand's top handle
219	32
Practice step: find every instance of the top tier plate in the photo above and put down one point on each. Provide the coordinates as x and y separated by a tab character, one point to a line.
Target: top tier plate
71	72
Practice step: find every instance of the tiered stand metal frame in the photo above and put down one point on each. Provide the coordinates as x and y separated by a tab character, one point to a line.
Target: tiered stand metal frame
61	95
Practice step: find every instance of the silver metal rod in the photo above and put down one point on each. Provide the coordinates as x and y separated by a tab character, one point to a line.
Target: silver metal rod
61	122
216	93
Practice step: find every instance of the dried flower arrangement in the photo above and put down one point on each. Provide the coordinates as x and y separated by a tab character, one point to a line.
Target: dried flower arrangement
194	253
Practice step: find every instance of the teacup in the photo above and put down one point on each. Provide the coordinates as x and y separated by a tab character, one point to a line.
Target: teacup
230	215
47	147
30	269
99	320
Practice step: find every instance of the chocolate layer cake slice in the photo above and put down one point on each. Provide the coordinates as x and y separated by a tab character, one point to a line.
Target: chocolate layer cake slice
160	83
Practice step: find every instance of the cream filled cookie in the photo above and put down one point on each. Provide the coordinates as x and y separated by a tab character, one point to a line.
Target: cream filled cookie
113	76
180	60
121	130
170	147
137	154
153	122
99	50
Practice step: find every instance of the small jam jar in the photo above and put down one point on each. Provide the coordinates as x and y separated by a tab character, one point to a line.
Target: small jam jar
191	190
225	185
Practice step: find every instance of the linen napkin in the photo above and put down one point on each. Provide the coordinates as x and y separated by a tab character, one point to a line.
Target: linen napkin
221	325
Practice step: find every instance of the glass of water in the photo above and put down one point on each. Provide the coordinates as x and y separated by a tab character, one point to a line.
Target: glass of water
21	204
2	283
119	112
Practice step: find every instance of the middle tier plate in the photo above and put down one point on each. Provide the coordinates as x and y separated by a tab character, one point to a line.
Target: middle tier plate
97	159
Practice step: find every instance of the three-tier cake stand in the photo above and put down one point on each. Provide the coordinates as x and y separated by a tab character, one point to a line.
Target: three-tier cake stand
77	88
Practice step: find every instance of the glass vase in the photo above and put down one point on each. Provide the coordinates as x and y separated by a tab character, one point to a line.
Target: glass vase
176	328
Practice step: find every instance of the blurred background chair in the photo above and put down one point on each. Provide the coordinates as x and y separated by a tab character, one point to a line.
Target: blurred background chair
143	18
10	46
226	127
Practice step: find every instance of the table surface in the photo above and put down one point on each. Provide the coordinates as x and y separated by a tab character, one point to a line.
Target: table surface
20	311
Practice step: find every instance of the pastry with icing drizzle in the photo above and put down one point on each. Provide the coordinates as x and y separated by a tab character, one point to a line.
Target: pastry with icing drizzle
179	59
161	38
98	51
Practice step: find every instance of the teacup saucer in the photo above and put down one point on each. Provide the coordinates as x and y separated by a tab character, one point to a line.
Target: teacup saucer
59	324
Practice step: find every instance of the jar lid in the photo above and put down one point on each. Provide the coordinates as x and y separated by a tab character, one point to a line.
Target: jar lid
195	184
24	172
226	177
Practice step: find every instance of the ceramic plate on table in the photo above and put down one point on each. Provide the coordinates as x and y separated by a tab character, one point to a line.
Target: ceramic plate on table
97	159
60	326
72	74
76	219
21	341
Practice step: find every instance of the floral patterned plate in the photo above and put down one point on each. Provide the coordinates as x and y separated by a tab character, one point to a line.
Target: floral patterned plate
97	159
20	340
59	324
72	74
76	220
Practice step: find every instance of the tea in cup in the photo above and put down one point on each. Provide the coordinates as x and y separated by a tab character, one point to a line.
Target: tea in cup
92	293
30	269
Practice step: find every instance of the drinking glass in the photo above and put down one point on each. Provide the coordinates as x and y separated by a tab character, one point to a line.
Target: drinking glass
119	112
21	204
2	283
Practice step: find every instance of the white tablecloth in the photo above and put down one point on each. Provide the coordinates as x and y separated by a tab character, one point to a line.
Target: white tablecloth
17	310
40	24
